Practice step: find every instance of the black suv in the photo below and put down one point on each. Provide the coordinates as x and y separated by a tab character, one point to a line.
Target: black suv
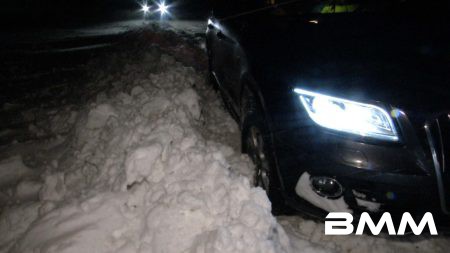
343	105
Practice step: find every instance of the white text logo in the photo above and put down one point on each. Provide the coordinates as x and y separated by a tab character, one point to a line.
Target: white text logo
341	224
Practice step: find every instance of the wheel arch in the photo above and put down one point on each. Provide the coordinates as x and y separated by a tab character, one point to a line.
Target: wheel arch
250	85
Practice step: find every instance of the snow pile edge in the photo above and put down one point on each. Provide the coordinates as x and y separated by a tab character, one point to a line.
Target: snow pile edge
139	177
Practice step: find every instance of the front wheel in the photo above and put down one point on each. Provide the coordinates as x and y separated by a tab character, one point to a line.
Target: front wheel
257	144
256	151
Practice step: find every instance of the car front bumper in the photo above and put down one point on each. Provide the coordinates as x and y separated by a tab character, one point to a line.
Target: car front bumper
376	177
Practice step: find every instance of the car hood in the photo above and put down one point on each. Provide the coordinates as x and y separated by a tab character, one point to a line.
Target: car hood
399	61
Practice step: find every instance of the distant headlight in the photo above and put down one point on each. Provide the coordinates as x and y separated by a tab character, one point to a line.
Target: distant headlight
145	8
163	8
348	116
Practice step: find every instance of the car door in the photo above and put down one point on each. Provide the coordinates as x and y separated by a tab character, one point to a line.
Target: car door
225	27
231	65
216	52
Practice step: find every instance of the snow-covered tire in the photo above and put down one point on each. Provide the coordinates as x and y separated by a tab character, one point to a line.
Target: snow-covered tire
256	142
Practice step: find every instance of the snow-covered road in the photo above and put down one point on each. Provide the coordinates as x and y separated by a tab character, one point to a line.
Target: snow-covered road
102	29
145	159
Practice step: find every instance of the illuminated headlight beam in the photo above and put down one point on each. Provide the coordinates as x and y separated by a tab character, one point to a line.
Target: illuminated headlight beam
163	8
348	116
145	8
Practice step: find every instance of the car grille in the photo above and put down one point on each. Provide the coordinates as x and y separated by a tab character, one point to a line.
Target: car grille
438	136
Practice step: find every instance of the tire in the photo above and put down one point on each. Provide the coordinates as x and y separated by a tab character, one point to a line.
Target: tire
256	142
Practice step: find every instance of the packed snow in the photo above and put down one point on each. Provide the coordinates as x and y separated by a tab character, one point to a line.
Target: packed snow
309	236
150	163
137	175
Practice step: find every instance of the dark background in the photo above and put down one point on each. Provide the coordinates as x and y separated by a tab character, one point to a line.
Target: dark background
60	13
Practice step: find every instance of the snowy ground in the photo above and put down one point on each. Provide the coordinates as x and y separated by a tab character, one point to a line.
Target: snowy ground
103	29
143	158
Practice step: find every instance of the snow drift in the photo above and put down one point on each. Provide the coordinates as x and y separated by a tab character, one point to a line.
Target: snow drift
138	176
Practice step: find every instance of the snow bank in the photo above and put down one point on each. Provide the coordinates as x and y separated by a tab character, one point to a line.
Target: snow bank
12	170
139	176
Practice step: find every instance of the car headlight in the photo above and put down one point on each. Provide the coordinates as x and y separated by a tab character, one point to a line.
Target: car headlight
348	116
163	8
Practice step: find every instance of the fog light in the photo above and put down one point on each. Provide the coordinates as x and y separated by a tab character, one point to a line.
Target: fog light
327	187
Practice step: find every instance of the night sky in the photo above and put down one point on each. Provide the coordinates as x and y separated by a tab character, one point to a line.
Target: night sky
31	13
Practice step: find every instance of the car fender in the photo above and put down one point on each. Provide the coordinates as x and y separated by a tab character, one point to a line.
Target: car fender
248	82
